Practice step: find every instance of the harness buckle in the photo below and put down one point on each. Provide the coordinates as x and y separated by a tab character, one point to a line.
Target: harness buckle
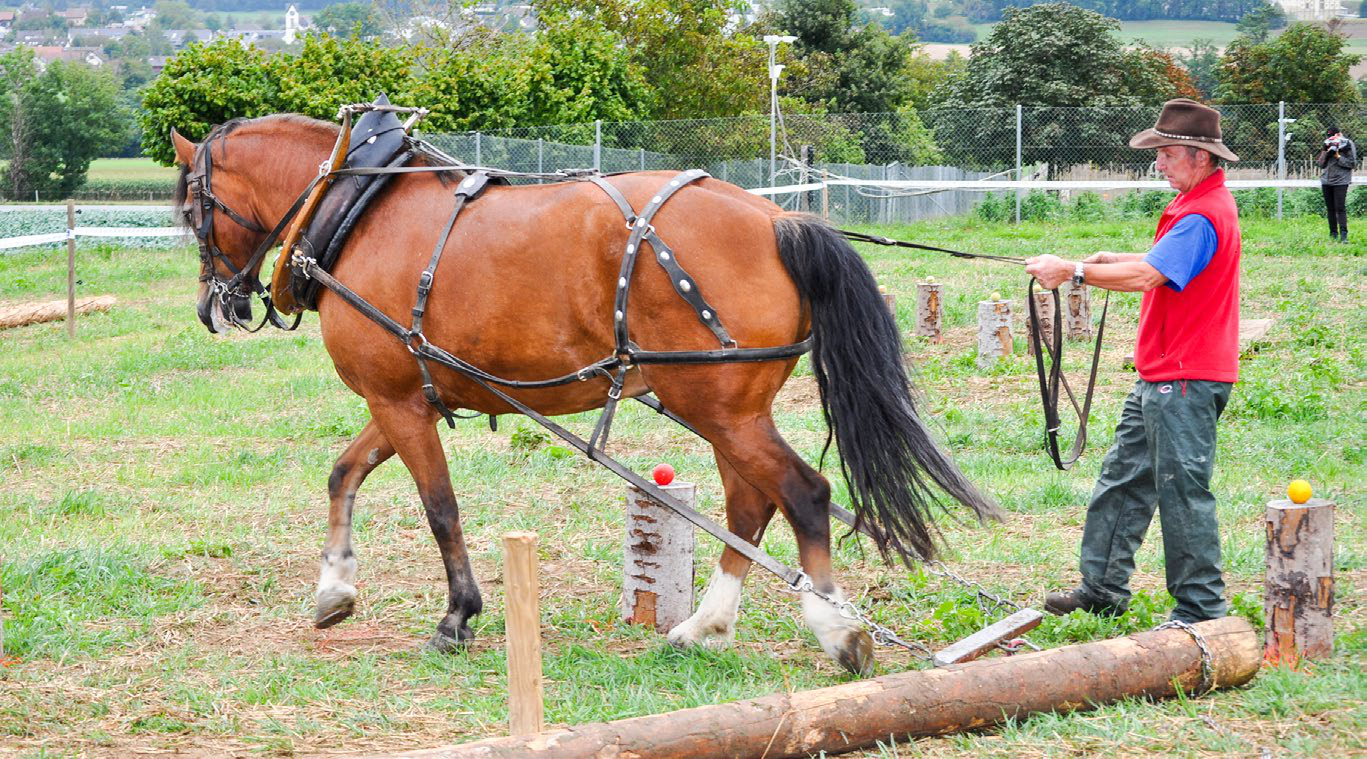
425	281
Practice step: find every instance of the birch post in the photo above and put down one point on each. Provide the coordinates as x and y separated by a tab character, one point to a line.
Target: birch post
522	617
994	331
1299	599
928	321
1044	306
1077	310
657	576
71	268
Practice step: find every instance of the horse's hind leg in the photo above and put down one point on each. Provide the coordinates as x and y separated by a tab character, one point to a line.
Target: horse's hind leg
336	596
411	427
748	512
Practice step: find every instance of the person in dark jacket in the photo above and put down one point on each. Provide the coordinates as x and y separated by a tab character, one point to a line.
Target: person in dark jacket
1338	158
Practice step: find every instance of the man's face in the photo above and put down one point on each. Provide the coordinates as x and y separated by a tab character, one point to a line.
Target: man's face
1179	166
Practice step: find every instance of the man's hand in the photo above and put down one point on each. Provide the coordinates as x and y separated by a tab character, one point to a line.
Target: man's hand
1103	257
1050	270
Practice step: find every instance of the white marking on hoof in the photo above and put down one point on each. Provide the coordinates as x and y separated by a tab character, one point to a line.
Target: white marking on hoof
714	623
336	587
832	630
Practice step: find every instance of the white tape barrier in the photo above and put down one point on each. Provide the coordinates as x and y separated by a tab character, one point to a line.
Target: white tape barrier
994	185
25	241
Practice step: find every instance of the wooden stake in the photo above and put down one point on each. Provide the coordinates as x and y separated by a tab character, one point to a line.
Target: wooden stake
1077	310
1044	305
987	638
657	574
1299	600
890	300
994	331
71	268
523	621
952	699
928	297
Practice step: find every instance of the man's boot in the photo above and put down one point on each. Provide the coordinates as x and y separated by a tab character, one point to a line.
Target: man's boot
1069	601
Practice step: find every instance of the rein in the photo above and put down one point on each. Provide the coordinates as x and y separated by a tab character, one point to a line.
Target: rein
1052	384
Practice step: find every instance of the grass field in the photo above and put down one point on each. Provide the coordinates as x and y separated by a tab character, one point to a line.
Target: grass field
130	168
162	510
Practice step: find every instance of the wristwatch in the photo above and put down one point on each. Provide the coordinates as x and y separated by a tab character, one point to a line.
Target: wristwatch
1077	274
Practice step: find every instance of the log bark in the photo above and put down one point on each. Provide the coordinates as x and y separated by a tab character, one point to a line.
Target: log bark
994	331
1299	598
931	702
50	311
657	576
1077	310
928	298
1044	304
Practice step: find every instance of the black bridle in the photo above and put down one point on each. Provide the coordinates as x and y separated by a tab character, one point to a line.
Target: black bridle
1052	384
231	295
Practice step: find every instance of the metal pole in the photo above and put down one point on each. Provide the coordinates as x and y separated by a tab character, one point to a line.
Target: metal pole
478	160
540	158
773	114
643	159
1281	152
1019	176
598	144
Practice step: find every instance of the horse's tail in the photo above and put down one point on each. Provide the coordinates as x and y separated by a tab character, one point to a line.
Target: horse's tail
887	455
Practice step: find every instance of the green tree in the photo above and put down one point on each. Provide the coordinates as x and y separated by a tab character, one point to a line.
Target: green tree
846	67
202	86
580	73
1258	23
1202	62
331	71
1304	64
175	14
54	123
348	19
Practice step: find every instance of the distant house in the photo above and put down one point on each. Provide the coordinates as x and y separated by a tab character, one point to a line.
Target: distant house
1312	10
45	54
157	62
181	37
6	19
139	19
102	34
74	16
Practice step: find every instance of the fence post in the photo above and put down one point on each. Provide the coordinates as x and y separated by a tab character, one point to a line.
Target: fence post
478	160
71	268
1281	152
643	159
540	158
598	144
1019	177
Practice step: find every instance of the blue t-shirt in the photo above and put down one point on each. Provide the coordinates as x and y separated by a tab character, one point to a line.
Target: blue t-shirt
1184	251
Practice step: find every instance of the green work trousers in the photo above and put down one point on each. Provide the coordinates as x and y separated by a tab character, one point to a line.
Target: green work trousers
1162	458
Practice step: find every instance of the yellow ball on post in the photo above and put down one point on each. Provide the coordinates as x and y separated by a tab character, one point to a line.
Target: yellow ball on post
1298	491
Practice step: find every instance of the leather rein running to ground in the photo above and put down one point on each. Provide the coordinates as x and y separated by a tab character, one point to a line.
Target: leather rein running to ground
1052	383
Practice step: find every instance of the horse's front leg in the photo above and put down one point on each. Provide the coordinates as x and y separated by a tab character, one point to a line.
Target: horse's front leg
335	599
411	427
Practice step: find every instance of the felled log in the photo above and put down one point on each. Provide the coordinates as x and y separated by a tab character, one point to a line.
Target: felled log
930	702
50	311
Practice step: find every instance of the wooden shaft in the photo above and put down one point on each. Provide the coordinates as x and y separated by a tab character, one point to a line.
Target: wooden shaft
523	621
71	268
928	702
1299	598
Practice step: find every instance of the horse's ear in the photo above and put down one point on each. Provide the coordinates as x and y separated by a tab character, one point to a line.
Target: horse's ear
185	150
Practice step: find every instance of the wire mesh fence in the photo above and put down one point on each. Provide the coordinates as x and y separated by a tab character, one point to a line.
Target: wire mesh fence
1044	143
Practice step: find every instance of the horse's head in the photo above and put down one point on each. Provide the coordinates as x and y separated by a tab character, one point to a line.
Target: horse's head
215	200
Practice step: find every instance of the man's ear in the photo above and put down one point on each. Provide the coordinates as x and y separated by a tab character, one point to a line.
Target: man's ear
185	150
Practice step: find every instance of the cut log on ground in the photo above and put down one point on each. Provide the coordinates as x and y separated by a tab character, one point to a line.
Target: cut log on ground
49	311
931	702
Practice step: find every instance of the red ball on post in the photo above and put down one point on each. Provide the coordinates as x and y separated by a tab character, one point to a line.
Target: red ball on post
663	474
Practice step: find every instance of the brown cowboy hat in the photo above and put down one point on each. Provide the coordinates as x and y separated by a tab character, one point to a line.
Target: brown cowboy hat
1188	123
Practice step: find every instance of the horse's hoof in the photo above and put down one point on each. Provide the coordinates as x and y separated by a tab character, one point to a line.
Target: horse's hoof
333	606
445	644
857	653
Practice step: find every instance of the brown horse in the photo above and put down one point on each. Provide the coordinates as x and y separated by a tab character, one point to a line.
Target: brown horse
525	291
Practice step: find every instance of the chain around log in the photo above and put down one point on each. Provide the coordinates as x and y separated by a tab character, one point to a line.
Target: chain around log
1207	658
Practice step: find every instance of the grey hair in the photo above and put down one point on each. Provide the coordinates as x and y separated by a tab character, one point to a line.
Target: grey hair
1214	159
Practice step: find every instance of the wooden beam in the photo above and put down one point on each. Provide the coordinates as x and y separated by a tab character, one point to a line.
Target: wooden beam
960	697
987	638
522	618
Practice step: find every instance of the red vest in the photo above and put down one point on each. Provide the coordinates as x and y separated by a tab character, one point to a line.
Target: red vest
1194	334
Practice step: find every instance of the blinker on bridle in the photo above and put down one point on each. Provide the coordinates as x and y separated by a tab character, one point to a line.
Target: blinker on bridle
227	294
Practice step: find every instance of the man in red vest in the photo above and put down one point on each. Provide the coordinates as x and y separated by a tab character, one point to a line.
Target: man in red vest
1187	356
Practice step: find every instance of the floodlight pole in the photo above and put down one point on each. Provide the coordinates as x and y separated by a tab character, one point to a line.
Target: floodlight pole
773	41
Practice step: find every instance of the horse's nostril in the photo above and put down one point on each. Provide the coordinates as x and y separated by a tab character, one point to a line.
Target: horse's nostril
242	308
